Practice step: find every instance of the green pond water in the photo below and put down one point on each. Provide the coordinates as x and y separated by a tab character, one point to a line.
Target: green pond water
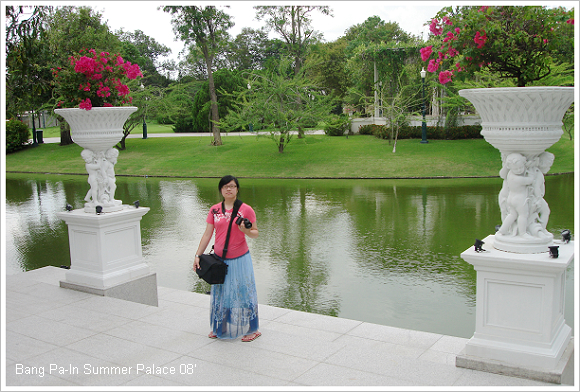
380	251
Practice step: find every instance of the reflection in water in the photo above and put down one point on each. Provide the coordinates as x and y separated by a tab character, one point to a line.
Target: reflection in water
381	251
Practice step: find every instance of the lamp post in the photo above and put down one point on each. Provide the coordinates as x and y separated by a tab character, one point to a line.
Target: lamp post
424	125
144	114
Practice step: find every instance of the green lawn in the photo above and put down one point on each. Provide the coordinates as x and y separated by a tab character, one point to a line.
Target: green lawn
358	156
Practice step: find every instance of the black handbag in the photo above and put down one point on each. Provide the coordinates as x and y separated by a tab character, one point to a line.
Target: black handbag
213	269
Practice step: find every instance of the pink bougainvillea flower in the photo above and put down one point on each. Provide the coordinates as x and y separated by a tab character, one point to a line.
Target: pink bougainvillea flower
449	37
480	39
426	52
570	21
108	105
435	28
445	77
447	21
452	52
132	70
433	65
104	59
483	8
85	65
103	91
86	104
94	77
122	89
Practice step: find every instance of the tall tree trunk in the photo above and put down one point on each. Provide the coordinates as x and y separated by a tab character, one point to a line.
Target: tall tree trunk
215	117
65	138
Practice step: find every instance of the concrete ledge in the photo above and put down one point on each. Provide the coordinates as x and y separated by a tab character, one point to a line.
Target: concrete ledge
142	290
562	374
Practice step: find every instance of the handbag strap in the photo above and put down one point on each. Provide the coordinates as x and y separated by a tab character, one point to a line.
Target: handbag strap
237	204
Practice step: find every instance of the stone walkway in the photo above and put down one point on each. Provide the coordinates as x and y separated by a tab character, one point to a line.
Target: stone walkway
61	337
139	135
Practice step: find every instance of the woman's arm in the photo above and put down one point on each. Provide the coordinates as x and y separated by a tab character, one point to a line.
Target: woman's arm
203	243
252	232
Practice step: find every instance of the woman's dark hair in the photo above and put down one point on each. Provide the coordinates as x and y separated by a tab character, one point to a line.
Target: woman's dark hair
226	180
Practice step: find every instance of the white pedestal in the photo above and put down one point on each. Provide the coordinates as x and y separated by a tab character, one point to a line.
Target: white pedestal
520	308
105	249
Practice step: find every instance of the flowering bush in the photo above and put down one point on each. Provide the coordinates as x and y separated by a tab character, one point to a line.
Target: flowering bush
514	41
94	79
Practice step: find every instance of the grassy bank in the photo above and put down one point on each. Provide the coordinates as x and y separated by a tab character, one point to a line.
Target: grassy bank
313	157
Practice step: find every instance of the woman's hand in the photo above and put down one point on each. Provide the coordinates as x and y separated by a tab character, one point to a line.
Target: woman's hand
252	232
196	263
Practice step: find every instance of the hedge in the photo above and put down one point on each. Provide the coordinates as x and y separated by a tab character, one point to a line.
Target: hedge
409	132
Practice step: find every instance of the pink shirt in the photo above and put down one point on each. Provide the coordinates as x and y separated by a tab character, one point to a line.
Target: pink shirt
238	245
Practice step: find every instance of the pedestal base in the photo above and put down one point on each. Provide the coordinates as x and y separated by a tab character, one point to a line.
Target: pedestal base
114	206
142	290
520	309
105	249
563	373
523	244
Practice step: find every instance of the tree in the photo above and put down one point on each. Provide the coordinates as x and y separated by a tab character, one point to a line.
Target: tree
294	24
28	73
249	50
71	29
378	51
270	103
327	68
227	83
374	30
205	27
141	49
514	42
149	100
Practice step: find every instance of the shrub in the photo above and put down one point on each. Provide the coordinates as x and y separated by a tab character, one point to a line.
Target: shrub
17	135
184	123
368	129
337	125
442	133
435	133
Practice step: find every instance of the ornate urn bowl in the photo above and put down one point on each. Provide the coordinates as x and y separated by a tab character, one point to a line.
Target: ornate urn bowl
97	131
522	122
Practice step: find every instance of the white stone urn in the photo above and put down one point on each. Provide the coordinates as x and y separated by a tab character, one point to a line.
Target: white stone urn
97	131
522	122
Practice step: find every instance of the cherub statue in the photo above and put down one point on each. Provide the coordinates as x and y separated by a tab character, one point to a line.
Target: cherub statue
108	168
517	202
540	211
93	169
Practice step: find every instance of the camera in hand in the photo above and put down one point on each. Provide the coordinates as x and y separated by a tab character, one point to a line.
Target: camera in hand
246	221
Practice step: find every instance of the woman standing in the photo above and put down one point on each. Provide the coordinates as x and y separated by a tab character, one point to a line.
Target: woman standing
234	304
